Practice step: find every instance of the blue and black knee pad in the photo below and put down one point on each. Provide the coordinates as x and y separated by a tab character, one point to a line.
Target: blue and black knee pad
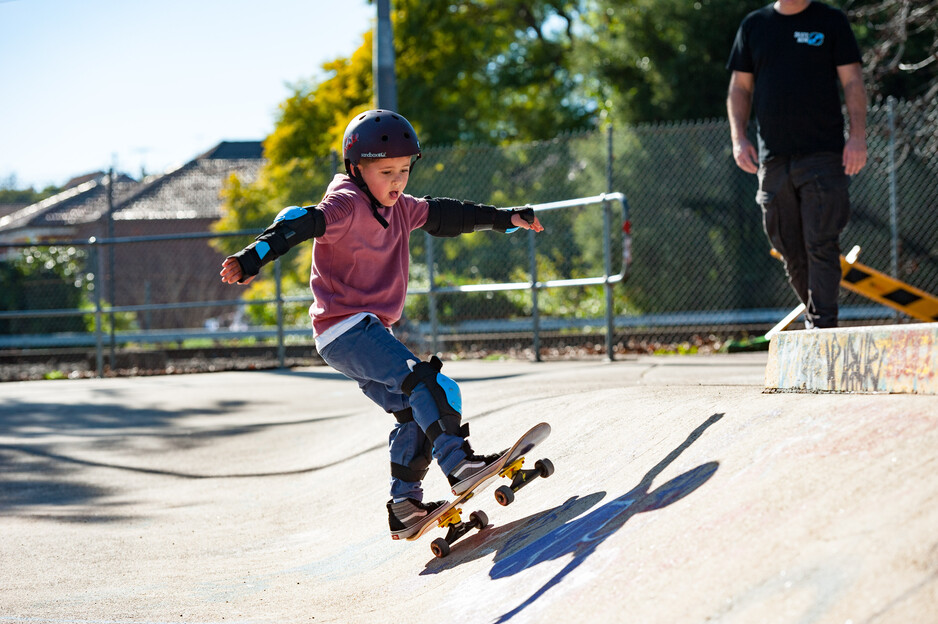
445	394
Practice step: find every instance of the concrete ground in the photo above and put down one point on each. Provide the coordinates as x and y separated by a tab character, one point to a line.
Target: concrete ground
682	493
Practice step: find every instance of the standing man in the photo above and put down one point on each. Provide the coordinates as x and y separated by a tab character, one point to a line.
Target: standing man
787	60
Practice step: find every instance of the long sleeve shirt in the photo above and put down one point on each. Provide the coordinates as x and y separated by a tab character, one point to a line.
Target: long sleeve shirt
358	265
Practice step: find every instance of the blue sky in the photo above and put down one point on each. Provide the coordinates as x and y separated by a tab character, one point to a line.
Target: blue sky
146	84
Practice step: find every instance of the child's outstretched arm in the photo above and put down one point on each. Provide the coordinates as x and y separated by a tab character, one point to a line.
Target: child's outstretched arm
290	228
452	217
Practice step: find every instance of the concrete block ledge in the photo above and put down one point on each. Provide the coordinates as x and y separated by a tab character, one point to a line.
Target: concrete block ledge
896	359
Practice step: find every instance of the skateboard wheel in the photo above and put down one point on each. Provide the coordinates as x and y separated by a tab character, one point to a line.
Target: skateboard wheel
440	547
479	519
545	467
504	495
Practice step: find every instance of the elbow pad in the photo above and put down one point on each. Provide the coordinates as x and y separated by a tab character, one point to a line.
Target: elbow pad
452	217
290	228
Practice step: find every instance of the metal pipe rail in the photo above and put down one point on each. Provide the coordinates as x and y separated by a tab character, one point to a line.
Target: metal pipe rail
101	309
606	280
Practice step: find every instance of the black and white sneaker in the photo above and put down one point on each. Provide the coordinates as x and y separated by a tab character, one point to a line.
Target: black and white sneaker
470	470
408	516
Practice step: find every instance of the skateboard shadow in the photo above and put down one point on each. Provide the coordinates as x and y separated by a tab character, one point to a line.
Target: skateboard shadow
520	532
564	530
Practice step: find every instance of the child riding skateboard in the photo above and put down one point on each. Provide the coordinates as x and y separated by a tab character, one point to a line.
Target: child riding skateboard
359	275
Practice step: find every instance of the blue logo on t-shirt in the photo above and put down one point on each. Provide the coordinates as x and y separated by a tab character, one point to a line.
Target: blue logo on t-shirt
809	38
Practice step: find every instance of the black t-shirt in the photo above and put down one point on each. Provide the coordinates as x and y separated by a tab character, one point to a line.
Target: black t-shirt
794	59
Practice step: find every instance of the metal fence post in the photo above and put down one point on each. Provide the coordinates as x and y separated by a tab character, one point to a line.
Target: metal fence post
148	300
535	311
607	285
893	201
607	251
98	260
278	280
111	269
431	295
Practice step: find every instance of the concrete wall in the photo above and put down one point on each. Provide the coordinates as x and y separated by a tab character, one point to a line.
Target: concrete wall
892	358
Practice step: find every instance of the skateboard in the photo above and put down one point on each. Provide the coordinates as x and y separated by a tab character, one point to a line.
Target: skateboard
509	465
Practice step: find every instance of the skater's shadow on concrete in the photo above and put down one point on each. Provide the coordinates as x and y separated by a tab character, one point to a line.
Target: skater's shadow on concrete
565	531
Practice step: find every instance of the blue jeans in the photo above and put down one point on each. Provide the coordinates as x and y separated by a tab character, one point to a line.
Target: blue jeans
369	354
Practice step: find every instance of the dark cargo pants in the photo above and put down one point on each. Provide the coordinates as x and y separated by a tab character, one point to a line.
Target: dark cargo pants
805	206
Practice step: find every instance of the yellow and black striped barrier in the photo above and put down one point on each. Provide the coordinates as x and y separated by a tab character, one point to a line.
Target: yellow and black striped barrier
882	288
887	290
862	280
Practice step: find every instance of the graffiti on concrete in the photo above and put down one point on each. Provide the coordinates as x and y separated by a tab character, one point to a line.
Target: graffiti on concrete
853	365
856	360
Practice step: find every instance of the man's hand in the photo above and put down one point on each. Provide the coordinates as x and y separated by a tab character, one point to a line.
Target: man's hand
851	77
854	155
231	272
738	107
744	152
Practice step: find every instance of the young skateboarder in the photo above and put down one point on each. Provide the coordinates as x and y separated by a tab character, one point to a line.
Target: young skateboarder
362	231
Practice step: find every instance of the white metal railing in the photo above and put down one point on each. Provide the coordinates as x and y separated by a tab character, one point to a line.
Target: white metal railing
103	339
606	280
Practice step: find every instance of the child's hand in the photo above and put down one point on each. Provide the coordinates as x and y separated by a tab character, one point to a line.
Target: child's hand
518	221
231	272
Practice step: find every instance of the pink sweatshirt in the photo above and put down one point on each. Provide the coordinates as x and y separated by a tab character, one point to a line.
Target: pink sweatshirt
358	266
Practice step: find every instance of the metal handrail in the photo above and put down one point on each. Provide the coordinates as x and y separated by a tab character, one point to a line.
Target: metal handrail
99	336
607	280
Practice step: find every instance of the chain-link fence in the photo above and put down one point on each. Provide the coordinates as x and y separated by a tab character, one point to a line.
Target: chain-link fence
701	272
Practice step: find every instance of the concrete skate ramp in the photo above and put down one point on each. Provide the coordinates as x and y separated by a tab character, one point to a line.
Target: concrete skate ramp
682	493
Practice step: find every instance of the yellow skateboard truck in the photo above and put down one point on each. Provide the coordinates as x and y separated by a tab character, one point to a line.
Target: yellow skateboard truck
456	528
520	477
509	465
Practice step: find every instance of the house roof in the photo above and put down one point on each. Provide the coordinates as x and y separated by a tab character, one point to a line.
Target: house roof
79	204
6	209
88	177
190	191
235	150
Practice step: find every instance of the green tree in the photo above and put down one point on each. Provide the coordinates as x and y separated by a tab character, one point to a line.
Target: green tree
44	278
899	40
664	60
11	194
488	71
660	60
477	72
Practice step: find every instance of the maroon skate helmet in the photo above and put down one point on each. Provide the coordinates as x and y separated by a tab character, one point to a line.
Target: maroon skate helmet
379	134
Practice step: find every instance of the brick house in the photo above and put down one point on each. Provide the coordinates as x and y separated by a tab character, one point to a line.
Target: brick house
184	200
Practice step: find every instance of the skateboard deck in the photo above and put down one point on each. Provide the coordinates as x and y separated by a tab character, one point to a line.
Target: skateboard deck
509	465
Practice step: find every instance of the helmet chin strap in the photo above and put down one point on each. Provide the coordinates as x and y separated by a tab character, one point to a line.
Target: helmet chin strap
375	204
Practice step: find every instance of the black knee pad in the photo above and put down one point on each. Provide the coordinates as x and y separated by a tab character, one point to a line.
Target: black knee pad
405	415
417	469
